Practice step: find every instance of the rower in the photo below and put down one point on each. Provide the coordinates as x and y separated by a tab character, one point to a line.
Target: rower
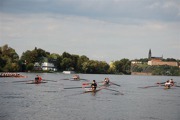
171	82
167	84
38	79
94	85
76	77
106	81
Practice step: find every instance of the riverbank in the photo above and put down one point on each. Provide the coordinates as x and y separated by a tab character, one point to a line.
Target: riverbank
141	73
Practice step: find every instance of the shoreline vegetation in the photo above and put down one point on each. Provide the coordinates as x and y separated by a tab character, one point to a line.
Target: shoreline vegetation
31	61
141	73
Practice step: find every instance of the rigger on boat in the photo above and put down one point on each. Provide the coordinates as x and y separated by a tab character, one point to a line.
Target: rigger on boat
37	80
94	87
91	90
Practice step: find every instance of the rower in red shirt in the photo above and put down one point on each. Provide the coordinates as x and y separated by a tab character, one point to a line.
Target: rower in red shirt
38	79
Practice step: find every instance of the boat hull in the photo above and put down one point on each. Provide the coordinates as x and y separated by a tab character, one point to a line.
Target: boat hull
36	82
90	90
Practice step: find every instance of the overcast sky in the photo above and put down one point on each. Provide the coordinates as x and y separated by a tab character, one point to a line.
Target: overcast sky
106	30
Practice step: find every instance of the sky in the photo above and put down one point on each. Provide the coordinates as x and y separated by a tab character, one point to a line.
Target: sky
104	30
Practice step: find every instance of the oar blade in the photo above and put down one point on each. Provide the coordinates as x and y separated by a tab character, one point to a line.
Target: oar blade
65	79
115	91
22	81
115	84
149	86
49	80
72	87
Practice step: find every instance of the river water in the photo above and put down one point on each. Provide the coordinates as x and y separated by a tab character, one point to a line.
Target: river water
50	101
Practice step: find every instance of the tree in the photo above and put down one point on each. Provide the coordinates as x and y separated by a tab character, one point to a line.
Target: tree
36	55
67	64
122	66
82	59
103	67
75	61
8	59
55	59
89	66
126	66
95	67
66	55
118	66
58	63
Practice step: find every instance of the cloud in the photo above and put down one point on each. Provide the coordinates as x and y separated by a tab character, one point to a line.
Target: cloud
104	30
105	10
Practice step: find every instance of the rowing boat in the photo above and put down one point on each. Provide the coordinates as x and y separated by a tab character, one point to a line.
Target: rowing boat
36	82
91	90
18	76
105	85
167	87
13	75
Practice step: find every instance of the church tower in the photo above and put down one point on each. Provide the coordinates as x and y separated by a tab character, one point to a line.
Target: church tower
149	55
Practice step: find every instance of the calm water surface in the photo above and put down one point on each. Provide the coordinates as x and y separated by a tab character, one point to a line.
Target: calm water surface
50	101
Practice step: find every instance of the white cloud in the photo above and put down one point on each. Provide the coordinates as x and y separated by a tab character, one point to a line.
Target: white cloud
108	37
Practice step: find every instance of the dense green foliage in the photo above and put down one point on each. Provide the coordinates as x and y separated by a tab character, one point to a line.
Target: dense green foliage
166	70
9	59
156	70
122	66
10	62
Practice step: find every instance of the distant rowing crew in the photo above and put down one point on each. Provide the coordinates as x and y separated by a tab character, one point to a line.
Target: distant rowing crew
8	74
168	84
76	77
91	87
38	79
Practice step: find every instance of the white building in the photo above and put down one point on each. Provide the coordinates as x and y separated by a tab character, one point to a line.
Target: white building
136	62
37	66
48	66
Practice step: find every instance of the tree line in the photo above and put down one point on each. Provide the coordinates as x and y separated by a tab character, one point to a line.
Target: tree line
11	62
156	70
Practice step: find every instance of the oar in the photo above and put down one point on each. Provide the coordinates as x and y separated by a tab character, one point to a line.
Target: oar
82	92
79	79
177	86
84	79
115	91
75	87
89	83
111	89
49	80
161	83
149	86
115	84
23	81
72	87
86	84
65	79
